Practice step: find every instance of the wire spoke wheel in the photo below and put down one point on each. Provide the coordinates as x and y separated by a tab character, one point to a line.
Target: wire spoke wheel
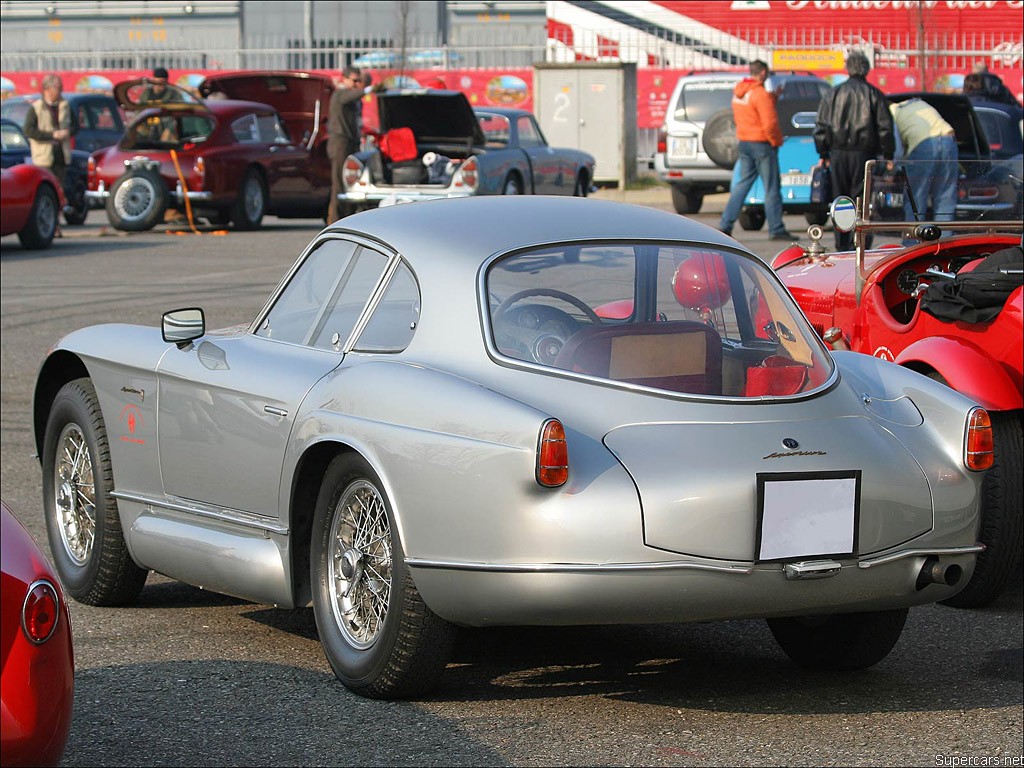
75	495
360	564
135	198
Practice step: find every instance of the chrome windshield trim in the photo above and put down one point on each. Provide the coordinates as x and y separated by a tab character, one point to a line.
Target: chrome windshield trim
884	559
415	562
234	516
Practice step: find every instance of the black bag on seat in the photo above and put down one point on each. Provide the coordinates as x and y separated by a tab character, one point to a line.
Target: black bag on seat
977	296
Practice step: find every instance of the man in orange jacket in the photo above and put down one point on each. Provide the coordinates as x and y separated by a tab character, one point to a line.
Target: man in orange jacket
759	135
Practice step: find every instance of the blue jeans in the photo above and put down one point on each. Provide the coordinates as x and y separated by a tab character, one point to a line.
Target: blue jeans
757	158
932	173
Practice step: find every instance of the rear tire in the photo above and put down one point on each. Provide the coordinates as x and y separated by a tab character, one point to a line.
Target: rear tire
1001	530
380	638
251	204
842	642
82	521
78	205
42	221
686	200
138	200
512	186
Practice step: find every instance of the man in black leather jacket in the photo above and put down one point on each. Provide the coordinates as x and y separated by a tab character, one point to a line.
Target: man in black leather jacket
853	126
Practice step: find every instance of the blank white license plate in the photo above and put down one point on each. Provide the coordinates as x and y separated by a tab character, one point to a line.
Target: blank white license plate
796	179
807	514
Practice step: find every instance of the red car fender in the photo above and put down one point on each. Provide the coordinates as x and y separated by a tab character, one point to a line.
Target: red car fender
967	369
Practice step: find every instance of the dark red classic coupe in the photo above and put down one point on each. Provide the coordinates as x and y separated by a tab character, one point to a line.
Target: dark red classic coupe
255	143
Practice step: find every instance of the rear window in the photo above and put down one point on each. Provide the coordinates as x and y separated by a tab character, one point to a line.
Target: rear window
1002	132
680	318
699	100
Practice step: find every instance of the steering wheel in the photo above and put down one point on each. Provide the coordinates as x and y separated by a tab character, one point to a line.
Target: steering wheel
553	293
539	330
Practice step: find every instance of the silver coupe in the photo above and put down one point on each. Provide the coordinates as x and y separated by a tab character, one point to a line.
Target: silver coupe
513	411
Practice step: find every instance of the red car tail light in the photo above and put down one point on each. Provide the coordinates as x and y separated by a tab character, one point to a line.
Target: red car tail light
351	171
199	173
40	611
468	174
552	455
662	140
978	448
92	179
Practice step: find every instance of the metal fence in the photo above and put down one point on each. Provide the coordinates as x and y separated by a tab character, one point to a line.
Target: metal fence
492	48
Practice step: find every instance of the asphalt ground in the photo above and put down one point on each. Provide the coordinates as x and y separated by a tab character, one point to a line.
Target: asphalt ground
187	677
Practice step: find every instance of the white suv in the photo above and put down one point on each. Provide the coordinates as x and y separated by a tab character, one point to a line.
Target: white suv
697	144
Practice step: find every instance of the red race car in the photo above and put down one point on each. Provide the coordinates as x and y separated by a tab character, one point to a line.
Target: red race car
38	659
944	300
31	201
255	145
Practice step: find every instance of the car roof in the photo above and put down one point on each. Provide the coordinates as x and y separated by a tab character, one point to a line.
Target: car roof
466	231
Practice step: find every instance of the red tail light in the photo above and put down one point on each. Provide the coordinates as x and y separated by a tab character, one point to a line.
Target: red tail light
662	140
552	455
199	173
92	180
978	449
40	612
468	174
351	171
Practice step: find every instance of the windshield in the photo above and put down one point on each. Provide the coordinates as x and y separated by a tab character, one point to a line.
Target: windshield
163	130
681	318
699	101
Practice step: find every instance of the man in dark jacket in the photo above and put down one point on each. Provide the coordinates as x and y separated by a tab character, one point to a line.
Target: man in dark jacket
853	126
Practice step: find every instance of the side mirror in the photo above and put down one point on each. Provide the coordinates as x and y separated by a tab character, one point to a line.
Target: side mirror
180	326
843	212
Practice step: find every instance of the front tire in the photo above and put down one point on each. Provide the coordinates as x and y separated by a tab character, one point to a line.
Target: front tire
251	204
819	218
580	190
380	638
843	642
82	520
1001	525
751	219
41	226
138	200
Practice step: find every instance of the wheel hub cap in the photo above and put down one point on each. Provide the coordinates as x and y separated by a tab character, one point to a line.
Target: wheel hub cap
75	495
360	564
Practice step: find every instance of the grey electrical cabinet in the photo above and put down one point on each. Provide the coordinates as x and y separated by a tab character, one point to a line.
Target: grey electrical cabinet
590	106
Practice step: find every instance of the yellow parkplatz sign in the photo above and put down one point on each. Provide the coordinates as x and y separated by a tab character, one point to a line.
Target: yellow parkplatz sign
795	58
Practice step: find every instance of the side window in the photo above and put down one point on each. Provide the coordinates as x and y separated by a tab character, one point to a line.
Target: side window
529	134
302	301
245	129
270	130
84	118
395	318
348	296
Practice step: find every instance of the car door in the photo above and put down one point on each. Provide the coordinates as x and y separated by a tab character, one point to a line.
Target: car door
227	402
547	174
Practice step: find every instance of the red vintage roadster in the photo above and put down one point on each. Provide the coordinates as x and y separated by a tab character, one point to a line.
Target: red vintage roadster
944	300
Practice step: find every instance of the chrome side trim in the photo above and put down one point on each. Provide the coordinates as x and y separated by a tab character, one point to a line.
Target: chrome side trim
401	197
965	550
234	516
415	562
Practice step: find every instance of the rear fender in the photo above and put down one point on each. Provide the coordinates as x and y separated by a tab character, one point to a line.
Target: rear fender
966	368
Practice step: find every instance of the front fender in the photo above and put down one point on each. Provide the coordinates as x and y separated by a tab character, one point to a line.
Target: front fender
966	368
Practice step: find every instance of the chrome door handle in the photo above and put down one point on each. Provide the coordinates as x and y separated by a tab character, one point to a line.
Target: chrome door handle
275	411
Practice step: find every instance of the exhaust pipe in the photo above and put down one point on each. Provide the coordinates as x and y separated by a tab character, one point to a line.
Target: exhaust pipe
935	572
